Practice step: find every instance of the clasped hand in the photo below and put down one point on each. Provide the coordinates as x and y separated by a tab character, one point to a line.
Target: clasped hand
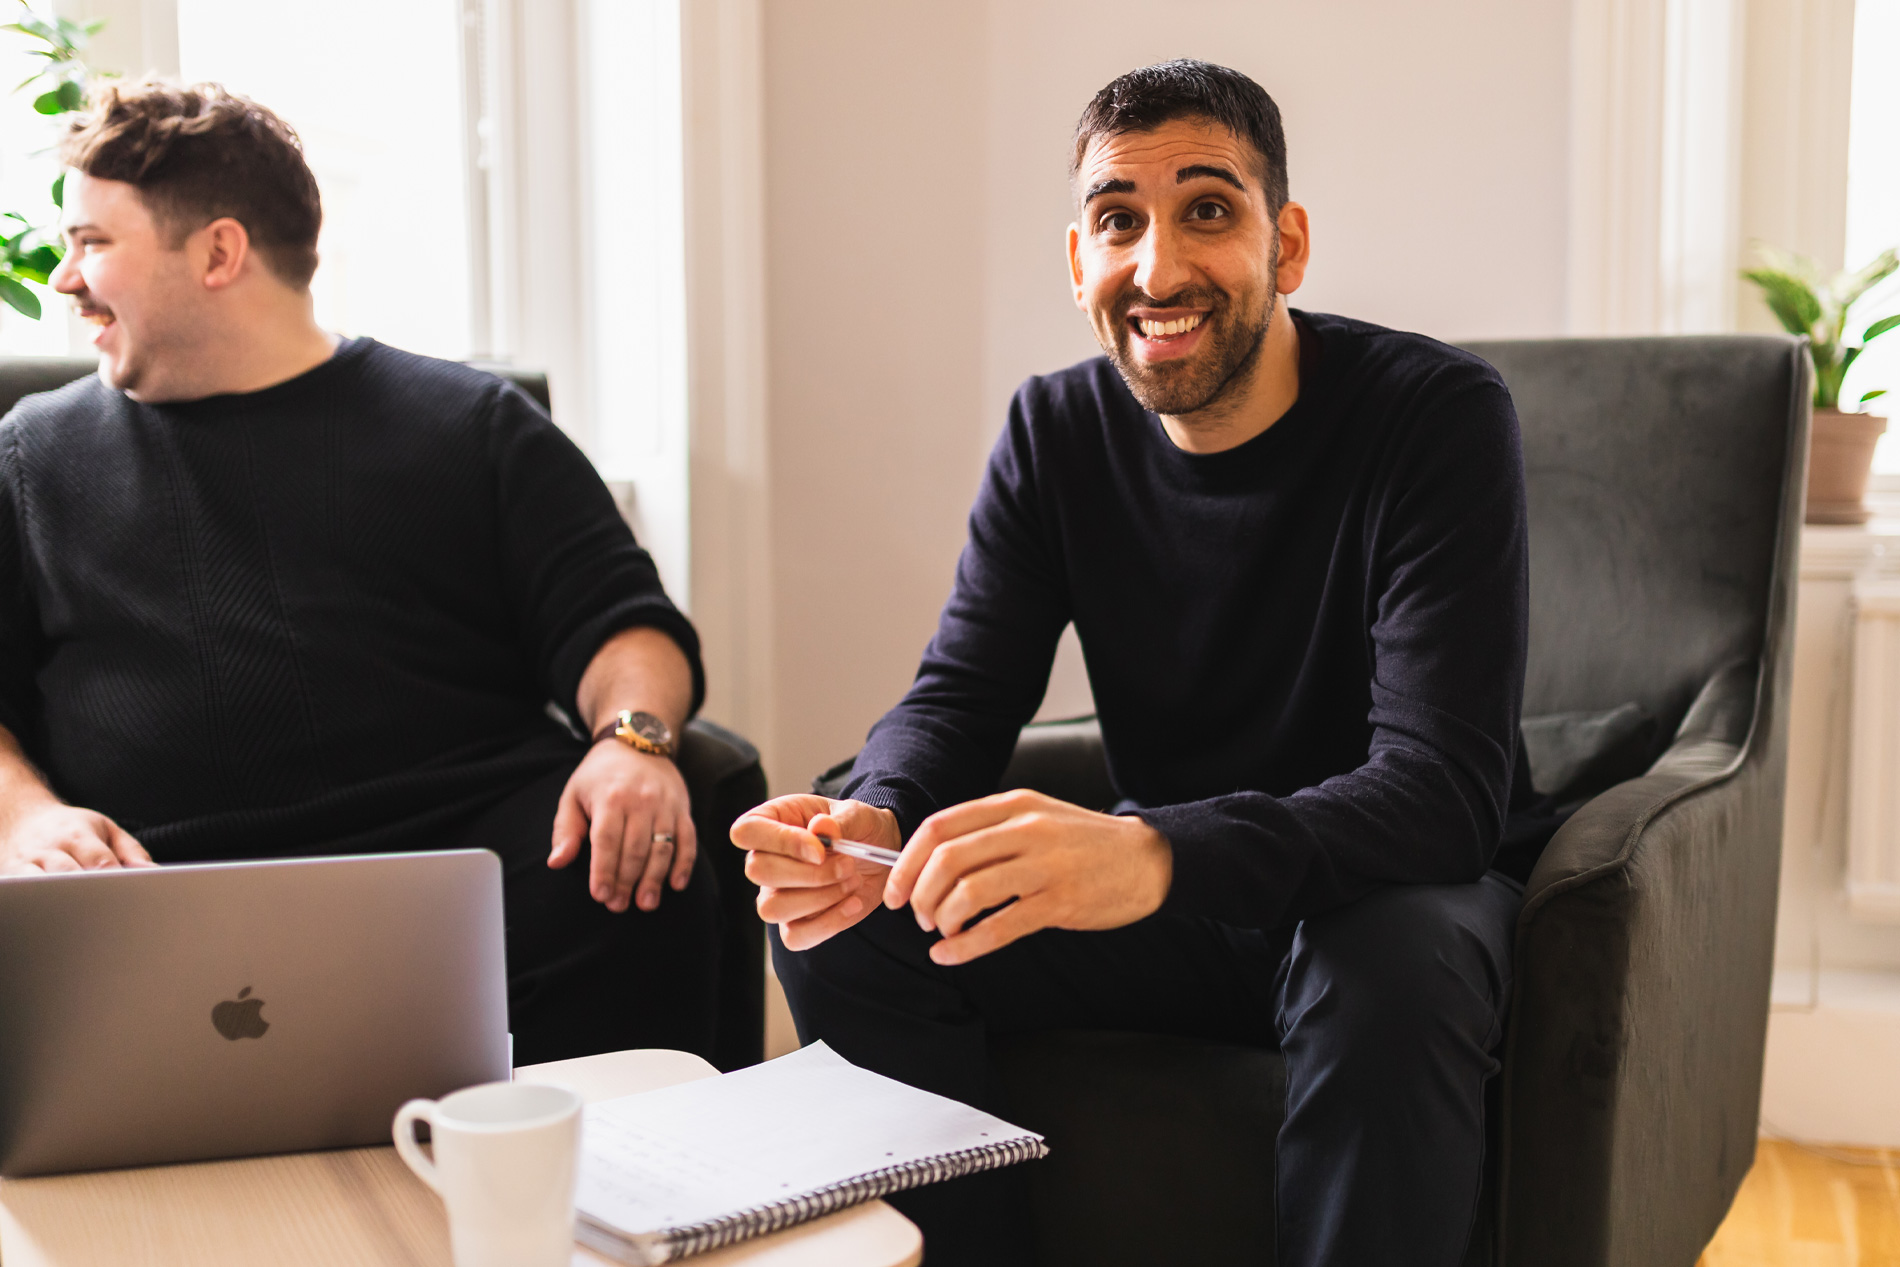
1030	860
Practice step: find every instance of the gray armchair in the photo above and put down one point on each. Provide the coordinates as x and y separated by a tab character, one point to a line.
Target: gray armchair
722	772
1665	483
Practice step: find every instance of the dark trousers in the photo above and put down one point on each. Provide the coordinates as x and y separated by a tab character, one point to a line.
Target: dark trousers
1387	1013
582	979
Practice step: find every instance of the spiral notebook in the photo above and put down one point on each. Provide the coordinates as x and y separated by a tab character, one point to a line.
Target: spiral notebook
702	1164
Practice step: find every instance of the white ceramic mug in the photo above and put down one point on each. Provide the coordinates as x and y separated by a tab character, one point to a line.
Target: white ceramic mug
505	1158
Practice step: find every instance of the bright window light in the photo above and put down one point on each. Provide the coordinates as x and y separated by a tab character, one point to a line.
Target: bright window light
1873	208
374	89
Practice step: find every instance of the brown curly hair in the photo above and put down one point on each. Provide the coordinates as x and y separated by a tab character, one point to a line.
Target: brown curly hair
198	154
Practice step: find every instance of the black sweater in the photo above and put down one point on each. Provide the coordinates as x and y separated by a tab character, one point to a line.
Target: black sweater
1307	652
326	615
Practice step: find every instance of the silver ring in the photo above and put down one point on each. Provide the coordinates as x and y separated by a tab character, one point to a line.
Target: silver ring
662	837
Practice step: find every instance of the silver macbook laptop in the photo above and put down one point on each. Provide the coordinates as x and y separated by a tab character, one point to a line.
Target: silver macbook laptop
190	1012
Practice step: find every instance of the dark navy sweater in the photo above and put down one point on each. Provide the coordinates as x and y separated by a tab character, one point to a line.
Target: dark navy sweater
324	616
1307	652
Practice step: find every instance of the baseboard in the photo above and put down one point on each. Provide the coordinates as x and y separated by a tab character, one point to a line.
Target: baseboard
1833	1049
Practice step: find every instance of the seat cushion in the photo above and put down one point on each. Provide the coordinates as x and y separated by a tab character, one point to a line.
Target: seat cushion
1160	1148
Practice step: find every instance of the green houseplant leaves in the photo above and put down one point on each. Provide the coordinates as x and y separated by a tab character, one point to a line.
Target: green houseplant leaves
1806	303
30	253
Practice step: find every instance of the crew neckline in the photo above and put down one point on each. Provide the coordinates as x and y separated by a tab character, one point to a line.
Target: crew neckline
347	351
1315	368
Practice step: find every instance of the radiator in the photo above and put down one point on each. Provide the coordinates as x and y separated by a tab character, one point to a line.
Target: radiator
1873	784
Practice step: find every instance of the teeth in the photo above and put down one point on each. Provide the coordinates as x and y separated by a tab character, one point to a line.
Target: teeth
1163	329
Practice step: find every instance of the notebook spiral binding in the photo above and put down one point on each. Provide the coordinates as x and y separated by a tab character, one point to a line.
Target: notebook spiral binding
757	1221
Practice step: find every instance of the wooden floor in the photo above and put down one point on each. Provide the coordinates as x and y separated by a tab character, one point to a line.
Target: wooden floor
1799	1208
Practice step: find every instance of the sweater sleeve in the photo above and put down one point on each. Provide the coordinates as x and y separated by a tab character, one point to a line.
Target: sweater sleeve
1447	613
574	574
986	669
19	622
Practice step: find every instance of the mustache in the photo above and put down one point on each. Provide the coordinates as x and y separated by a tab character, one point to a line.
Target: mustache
1187	297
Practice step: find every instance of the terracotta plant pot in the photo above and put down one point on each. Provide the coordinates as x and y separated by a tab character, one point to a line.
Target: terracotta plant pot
1840	455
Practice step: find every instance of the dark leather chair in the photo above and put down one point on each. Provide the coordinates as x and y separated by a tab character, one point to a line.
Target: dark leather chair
721	768
1665	483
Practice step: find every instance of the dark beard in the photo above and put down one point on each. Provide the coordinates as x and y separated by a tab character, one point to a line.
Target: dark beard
1233	345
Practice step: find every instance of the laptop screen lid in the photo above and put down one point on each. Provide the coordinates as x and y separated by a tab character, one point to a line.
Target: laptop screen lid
189	1012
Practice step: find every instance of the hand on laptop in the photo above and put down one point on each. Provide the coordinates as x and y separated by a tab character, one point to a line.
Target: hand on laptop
809	892
632	809
56	837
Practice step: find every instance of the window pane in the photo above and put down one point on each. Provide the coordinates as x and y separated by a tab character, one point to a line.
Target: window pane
1873	207
374	89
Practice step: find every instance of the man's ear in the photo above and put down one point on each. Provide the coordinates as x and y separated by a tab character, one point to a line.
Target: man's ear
227	249
1075	265
1296	246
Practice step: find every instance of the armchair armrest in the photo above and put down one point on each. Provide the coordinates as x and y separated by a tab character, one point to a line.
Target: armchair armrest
1707	748
1063	759
1644	951
724	779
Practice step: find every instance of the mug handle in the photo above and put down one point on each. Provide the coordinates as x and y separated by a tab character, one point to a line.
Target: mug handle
406	1147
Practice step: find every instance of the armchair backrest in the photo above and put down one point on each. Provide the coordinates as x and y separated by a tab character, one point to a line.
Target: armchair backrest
1658	475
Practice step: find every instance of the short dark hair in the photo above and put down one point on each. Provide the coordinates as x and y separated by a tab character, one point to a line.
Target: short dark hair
1143	100
199	154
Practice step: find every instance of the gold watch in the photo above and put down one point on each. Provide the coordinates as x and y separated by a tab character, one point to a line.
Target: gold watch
643	732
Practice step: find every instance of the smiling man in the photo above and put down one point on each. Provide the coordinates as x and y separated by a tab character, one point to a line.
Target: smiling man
1293	546
265	591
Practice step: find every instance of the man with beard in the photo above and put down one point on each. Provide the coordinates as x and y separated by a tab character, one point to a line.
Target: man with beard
266	591
1293	546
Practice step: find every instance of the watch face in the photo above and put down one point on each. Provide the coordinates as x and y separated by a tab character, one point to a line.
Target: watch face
649	728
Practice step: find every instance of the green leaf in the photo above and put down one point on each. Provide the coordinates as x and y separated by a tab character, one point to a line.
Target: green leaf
72	95
1880	327
24	301
1867	396
59	191
1847	357
30	25
40	262
1789	297
1849	287
48	102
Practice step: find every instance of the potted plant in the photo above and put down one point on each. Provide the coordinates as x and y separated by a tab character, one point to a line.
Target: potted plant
29	252
1841	445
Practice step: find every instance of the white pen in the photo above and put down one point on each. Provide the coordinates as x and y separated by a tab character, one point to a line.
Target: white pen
858	849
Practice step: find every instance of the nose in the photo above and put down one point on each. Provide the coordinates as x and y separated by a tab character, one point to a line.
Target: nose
65	276
1161	267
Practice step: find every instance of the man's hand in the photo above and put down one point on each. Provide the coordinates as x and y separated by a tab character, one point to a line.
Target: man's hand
1056	864
809	892
56	837
625	804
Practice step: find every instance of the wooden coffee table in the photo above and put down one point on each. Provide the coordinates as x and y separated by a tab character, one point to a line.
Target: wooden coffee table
362	1206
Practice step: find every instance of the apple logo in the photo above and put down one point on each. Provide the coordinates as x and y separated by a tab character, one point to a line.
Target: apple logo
241	1017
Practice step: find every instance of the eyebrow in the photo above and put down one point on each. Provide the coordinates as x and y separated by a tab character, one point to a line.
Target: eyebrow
1186	174
1101	187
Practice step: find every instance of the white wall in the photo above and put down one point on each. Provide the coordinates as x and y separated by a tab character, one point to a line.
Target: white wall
915	202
